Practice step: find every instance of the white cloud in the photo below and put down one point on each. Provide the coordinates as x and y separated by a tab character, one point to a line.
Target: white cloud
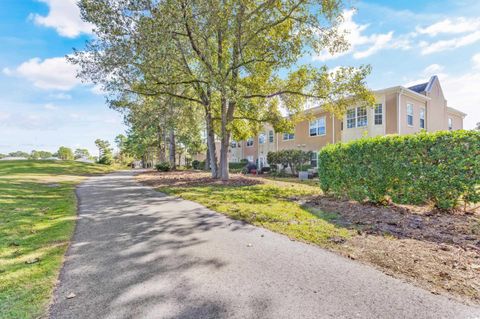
60	96
433	68
64	17
451	44
53	73
476	61
361	46
50	106
451	26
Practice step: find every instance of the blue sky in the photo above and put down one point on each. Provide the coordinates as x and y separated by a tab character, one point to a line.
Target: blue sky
43	105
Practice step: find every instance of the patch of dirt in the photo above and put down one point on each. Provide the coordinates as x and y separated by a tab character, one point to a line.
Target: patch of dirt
192	179
436	250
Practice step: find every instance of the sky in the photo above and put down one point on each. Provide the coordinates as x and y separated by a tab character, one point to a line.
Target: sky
43	105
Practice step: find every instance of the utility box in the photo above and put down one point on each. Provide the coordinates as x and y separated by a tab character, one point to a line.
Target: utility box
303	175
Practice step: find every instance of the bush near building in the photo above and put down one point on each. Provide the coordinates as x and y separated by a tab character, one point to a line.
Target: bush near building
442	168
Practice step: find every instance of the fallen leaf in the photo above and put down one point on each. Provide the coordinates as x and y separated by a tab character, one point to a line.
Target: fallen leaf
71	295
32	261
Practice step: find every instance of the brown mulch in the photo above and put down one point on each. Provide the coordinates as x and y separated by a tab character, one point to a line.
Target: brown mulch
437	250
402	221
193	179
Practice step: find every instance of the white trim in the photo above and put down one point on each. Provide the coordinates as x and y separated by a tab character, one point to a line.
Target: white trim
324	117
411	108
398	113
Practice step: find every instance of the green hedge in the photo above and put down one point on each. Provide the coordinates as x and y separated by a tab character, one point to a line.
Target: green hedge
442	168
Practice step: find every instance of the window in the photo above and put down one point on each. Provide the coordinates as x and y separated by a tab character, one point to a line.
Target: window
288	136
422	118
261	139
318	127
250	158
233	144
314	159
250	142
270	136
410	114
378	114
450	124
357	117
361	116
351	118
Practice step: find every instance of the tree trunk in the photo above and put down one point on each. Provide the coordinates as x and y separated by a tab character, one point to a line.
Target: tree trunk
211	147
207	160
172	149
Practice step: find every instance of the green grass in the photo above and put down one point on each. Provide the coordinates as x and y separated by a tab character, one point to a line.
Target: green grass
270	206
311	182
37	219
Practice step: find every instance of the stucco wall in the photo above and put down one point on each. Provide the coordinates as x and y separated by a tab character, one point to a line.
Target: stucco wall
371	129
304	141
417	105
436	109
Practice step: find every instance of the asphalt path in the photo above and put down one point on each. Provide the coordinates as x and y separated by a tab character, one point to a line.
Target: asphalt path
137	253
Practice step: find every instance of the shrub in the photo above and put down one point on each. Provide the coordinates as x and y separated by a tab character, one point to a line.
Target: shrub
236	166
440	168
291	158
163	167
196	164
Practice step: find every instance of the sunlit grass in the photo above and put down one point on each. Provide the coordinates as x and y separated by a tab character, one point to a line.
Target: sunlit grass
37	218
270	206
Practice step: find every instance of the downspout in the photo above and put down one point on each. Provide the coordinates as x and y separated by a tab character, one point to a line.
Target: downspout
398	109
333	128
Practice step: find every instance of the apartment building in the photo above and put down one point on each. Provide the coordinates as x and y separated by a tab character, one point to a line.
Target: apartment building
398	110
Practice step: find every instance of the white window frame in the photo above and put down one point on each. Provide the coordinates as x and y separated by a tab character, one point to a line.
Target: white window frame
351	118
364	116
378	114
317	126
450	124
410	114
288	136
422	118
261	138
233	144
271	136
250	141
250	159
314	155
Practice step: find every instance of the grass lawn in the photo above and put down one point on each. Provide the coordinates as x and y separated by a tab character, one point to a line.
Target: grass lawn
311	182
37	219
267	203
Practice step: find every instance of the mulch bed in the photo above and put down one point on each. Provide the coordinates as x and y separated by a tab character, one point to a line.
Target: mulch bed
193	179
437	250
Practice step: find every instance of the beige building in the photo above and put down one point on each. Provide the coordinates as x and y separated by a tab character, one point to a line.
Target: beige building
398	110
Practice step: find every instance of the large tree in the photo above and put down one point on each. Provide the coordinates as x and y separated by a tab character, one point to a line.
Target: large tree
237	59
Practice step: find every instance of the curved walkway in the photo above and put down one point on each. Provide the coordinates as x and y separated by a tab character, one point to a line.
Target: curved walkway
139	254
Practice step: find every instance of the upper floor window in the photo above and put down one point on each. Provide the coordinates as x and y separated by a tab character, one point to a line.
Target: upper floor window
351	118
422	118
233	144
450	124
261	138
378	114
357	117
270	136
318	126
288	136
250	142
410	114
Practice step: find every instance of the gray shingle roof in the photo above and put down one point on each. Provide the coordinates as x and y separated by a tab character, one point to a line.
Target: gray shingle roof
419	88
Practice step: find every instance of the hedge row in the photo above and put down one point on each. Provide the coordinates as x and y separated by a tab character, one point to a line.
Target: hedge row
442	168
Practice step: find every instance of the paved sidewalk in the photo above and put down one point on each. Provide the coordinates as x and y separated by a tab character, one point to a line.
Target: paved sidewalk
139	254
